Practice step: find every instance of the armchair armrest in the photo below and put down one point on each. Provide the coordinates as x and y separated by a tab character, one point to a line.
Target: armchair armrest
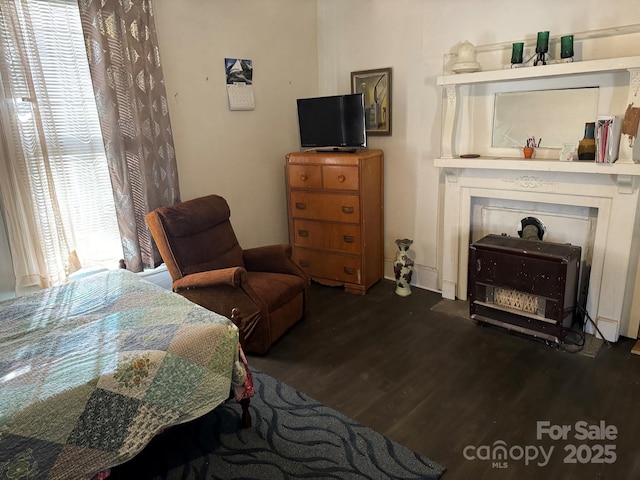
212	278
271	258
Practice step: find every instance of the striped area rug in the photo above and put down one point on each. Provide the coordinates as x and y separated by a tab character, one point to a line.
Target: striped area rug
293	436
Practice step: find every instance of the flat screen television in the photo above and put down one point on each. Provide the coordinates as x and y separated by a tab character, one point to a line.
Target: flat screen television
332	123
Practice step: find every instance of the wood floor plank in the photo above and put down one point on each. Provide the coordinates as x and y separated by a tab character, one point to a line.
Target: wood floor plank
438	383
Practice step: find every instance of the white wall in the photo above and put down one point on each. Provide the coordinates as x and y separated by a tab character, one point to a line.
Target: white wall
411	36
238	154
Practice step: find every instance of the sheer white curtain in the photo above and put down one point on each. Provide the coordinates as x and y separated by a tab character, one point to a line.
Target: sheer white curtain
53	174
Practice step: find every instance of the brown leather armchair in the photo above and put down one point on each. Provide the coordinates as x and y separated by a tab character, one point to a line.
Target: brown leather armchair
208	266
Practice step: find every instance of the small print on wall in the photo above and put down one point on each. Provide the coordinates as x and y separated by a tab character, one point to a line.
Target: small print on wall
376	87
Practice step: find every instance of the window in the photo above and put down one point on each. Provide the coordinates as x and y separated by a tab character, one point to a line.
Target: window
55	70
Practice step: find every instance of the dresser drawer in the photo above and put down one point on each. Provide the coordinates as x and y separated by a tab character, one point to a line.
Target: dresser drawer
332	266
332	236
338	177
305	176
321	206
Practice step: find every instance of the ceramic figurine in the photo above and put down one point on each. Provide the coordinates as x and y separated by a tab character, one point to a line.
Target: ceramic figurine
466	61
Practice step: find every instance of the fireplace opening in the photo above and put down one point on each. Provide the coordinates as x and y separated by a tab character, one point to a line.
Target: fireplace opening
539	221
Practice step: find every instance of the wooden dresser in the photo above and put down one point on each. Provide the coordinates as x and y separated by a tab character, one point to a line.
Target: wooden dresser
335	203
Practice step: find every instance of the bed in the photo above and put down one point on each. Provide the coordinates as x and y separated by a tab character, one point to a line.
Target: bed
91	370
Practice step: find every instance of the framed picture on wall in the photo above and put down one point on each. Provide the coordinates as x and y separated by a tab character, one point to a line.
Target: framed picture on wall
376	86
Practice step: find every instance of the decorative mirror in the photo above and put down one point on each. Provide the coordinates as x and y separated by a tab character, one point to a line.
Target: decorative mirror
555	117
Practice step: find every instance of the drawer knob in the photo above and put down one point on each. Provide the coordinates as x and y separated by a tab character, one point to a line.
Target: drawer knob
304	177
346	209
303	233
341	178
301	206
349	270
349	238
304	263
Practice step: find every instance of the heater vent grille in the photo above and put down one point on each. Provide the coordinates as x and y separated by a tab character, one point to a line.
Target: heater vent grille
516	300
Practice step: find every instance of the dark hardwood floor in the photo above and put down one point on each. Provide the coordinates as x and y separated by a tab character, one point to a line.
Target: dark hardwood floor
442	386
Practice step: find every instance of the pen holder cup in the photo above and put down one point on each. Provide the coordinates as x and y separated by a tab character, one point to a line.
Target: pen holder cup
528	152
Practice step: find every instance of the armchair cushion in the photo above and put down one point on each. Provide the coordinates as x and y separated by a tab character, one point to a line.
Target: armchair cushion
271	258
275	289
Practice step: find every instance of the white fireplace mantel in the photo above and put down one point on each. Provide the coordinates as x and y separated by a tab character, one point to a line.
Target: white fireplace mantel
610	190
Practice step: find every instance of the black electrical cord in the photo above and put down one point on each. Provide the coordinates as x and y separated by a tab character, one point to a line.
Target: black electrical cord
588	317
574	346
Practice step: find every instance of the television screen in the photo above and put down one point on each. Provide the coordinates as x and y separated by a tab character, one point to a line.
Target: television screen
332	122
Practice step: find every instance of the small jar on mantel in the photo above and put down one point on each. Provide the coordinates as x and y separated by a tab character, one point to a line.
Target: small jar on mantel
528	152
587	146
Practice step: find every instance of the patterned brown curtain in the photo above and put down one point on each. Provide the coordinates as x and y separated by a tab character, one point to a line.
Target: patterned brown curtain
132	105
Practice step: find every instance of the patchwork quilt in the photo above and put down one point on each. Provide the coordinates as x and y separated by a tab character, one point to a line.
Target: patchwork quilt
91	370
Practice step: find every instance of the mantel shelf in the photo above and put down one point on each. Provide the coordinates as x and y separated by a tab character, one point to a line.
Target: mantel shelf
531	72
541	165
